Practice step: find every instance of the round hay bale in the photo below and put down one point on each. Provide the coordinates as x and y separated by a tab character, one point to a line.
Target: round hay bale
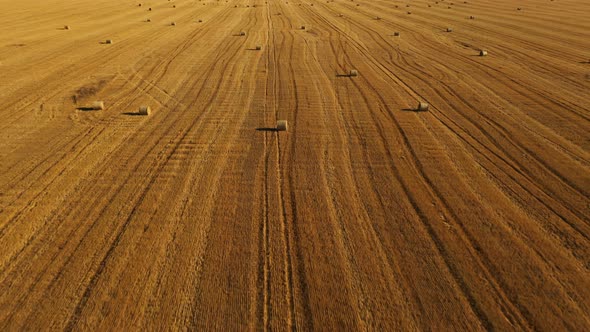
377	18
97	105
282	125
303	27
483	53
449	29
200	21
472	17
422	107
173	24
258	47
173	6
409	13
242	33
144	110
139	5
396	34
148	20
66	27
353	73
109	41
150	9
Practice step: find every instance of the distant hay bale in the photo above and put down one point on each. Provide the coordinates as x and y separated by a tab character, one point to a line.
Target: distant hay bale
242	33
409	13
449	29
340	15
139	5
518	8
483	53
472	17
377	18
144	110
173	6
353	73
282	125
200	21
396	34
97	105
258	47
422	107
148	20
303	27
66	27
150	9
358	4
109	41
173	23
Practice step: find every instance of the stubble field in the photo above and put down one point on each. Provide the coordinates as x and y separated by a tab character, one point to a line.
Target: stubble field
364	215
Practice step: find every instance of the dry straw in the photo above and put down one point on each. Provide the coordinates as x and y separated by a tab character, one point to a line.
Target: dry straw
353	73
97	105
483	53
422	107
282	125
144	110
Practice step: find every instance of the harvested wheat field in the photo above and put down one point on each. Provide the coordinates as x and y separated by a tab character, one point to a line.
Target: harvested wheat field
258	165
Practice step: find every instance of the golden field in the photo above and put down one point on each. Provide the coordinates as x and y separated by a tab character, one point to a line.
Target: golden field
364	215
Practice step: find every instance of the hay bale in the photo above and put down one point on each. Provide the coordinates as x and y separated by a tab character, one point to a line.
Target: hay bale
483	53
66	27
242	33
422	107
449	29
396	34
173	24
200	21
173	6
139	5
150	9
109	41
144	110
303	27
282	125
472	17
377	18
97	105
353	73
258	47
148	20
409	13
